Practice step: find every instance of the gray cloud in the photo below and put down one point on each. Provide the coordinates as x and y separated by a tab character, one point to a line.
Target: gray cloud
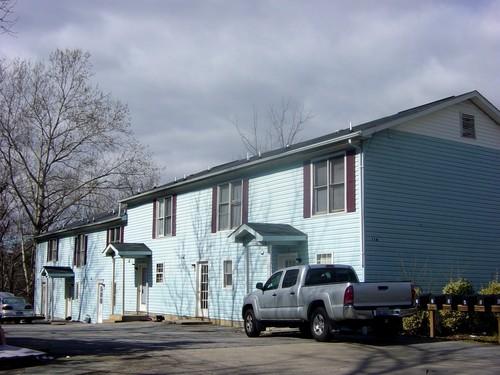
186	68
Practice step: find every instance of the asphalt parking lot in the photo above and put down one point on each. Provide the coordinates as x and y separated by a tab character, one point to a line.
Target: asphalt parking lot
161	348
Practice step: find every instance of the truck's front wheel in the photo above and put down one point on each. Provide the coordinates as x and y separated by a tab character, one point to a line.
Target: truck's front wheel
320	324
252	325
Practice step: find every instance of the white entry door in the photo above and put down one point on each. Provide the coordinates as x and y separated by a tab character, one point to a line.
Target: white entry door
68	295
142	288
287	260
203	289
100	302
43	299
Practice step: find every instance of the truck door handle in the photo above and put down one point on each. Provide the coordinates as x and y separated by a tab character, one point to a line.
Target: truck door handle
274	294
292	293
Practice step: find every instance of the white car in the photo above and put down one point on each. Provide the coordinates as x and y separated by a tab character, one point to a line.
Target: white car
15	309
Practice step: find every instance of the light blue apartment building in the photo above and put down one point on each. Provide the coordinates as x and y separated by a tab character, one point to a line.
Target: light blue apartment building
412	196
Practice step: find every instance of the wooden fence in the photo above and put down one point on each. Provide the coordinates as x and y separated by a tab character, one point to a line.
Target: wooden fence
467	304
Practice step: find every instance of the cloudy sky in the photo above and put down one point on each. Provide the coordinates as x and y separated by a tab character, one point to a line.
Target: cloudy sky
186	69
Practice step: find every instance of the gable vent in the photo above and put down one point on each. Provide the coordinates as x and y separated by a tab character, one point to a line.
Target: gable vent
468	126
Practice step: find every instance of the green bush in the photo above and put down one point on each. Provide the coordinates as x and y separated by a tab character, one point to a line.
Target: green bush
417	324
486	323
492	288
455	321
459	287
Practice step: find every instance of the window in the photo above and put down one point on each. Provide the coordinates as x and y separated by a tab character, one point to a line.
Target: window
273	282
229	205
329	185
164	217
290	278
329	275
228	273
468	126
115	235
325	258
52	249
77	290
160	273
80	254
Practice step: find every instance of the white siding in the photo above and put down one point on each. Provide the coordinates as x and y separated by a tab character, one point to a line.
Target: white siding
446	124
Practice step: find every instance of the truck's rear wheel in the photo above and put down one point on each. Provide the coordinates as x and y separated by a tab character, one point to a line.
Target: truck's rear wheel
320	324
252	325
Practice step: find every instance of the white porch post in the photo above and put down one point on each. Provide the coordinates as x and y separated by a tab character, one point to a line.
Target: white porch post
51	298
247	267
270	251
113	289
123	287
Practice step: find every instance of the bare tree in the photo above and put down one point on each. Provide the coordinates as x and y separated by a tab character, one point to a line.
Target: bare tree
64	143
285	122
62	139
7	19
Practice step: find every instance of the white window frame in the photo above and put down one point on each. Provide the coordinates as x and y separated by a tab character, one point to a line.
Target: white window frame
319	255
51	252
162	229
328	185
162	273
224	274
230	203
115	232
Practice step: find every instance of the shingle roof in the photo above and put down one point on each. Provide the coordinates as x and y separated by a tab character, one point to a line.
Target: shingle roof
319	140
267	233
56	272
128	250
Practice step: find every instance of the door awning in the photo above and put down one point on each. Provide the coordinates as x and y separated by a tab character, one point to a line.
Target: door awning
127	250
57	272
268	234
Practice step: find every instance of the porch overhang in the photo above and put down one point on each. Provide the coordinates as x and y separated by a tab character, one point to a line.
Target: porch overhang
268	234
127	250
57	272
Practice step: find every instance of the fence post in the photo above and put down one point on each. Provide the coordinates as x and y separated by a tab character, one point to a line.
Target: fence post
431	308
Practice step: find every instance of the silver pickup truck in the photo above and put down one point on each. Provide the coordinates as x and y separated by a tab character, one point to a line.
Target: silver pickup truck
322	298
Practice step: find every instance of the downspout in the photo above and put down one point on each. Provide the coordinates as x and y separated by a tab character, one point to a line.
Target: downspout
360	151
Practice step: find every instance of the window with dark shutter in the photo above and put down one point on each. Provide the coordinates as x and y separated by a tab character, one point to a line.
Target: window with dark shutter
329	185
164	219
80	252
115	235
307	189
468	126
52	250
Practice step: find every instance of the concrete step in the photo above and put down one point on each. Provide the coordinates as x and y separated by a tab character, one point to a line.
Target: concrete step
191	321
118	318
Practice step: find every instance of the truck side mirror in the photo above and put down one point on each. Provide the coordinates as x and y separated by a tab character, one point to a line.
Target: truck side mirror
259	286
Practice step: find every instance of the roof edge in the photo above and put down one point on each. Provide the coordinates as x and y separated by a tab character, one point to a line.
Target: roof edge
251	163
80	228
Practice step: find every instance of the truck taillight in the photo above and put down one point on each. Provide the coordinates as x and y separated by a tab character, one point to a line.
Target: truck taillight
7	307
28	307
413	295
349	295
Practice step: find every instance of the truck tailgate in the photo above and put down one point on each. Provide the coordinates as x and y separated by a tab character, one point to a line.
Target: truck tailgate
382	294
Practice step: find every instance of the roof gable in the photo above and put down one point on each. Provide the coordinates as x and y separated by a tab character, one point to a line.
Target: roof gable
329	140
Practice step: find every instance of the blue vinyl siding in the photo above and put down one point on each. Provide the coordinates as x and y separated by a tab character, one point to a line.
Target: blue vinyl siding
274	197
98	269
432	210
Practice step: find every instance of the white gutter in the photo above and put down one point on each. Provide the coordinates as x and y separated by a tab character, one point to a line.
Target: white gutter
249	164
83	226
